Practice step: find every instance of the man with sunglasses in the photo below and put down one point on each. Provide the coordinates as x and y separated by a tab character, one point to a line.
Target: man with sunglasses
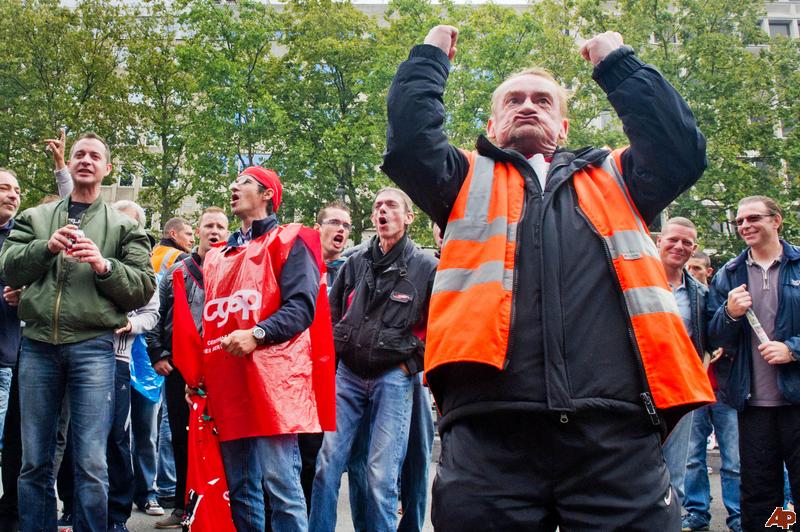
761	379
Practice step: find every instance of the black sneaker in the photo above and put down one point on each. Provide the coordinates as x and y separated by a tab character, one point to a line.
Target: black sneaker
118	527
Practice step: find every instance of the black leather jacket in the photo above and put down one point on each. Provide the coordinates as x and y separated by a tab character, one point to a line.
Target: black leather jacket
375	318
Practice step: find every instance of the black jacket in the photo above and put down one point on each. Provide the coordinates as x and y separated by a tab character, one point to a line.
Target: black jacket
571	342
9	322
375	318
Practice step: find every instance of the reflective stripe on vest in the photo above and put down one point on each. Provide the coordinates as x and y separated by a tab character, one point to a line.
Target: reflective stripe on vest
476	269
163	258
672	368
470	314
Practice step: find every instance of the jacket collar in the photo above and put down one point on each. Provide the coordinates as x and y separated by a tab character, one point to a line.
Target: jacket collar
259	228
790	253
564	163
170	243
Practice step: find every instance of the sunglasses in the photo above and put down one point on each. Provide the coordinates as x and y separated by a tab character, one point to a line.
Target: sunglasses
751	219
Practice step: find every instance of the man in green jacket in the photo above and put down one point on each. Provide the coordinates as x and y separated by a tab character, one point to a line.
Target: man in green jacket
84	266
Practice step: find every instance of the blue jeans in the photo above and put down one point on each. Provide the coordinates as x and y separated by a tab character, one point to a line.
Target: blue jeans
413	476
676	452
5	389
144	447
120	466
386	401
268	464
165	479
722	419
46	371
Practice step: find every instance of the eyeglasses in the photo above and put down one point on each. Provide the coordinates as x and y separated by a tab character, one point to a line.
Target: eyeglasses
751	219
338	223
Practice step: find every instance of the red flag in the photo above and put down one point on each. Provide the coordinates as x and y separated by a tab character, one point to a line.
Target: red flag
208	508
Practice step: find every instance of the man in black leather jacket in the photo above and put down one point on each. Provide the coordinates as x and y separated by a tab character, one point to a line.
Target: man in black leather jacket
379	308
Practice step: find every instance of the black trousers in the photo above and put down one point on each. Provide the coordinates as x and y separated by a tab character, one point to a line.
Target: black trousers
599	470
12	459
178	417
768	438
309	445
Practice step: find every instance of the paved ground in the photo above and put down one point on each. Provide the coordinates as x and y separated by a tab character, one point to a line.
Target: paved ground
140	522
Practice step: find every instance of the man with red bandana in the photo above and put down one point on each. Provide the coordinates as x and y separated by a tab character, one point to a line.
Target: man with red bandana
266	371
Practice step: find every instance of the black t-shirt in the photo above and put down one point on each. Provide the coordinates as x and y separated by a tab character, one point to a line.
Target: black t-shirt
75	211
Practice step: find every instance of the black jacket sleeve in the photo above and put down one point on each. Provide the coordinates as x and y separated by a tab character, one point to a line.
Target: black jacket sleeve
667	152
299	284
418	156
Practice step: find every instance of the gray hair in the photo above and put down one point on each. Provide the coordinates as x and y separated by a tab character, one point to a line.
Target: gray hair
132	205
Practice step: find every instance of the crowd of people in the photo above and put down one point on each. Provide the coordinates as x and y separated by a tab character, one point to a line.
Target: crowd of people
578	367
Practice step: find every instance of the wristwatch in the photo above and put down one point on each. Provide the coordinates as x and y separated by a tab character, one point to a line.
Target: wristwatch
259	334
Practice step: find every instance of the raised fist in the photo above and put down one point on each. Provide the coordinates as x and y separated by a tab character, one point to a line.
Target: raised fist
598	47
444	38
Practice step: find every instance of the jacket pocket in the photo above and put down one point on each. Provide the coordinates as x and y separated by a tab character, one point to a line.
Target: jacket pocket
342	334
398	345
400	305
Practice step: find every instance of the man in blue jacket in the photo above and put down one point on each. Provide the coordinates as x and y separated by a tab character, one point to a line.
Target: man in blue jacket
761	377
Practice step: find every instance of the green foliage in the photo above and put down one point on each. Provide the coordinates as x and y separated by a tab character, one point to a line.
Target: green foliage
190	92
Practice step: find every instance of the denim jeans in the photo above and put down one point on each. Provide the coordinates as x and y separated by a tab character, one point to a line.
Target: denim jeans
5	390
268	464
414	474
676	452
357	477
165	478
144	447
46	371
120	466
697	501
386	401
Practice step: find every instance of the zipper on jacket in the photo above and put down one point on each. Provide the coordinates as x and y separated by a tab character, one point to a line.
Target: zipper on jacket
647	399
514	285
57	308
646	396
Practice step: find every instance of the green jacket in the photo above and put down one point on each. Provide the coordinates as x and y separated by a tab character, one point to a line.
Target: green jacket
67	302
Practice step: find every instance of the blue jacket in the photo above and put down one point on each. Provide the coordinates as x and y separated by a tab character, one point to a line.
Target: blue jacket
9	322
735	369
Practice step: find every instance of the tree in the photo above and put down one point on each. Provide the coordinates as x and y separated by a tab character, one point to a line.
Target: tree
58	66
335	107
714	55
229	52
162	94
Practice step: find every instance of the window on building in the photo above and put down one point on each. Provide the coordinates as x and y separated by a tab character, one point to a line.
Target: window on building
779	28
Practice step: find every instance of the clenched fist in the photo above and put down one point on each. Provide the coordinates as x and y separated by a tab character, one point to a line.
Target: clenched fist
598	47
444	38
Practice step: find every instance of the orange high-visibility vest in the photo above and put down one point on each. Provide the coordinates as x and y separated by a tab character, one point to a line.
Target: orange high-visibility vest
164	257
476	273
